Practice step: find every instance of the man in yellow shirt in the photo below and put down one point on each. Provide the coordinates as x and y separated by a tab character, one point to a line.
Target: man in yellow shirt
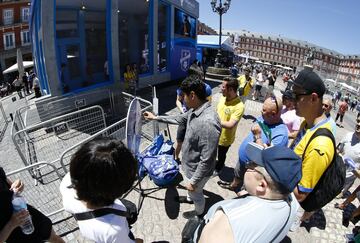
230	110
246	83
308	90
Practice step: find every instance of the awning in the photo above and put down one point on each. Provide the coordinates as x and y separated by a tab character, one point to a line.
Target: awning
330	80
279	66
288	68
15	67
260	62
267	63
212	41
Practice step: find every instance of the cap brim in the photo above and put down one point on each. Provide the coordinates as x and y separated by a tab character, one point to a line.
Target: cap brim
254	153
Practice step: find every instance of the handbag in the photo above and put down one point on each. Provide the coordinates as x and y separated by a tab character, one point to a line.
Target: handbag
332	180
241	90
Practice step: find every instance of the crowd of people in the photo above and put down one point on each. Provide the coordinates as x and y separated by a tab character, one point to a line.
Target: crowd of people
26	85
281	161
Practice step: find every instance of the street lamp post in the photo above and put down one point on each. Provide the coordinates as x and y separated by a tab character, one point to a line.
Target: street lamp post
220	9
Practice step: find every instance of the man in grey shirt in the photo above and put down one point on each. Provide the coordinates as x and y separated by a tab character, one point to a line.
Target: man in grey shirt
200	143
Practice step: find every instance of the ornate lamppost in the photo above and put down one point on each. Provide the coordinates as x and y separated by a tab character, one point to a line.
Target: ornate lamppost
221	9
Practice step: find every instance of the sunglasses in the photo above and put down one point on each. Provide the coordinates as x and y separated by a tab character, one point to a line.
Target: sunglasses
298	96
251	167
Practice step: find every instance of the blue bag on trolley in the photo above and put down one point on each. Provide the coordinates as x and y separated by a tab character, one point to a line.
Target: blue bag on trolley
158	162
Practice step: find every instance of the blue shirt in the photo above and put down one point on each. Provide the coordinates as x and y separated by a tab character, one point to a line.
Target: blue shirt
279	136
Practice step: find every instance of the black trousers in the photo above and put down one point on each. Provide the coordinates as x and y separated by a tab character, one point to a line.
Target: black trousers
222	150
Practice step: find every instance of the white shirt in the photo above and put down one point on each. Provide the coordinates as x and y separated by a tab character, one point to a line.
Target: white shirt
109	228
351	150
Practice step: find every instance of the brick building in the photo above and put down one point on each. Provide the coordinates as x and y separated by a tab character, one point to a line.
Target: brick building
290	52
14	32
203	29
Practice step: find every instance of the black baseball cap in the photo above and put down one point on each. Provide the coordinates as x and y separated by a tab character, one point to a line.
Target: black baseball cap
310	81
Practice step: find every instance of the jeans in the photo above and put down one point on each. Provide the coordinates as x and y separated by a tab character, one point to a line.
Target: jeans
197	196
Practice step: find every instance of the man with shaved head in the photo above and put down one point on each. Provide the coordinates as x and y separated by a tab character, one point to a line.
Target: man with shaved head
327	105
268	130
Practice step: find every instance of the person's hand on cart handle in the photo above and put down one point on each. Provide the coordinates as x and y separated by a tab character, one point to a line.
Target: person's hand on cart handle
149	116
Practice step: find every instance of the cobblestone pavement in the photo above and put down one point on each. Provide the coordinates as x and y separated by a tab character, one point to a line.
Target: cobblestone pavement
160	218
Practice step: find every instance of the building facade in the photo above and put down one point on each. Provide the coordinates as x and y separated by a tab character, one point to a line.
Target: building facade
203	29
14	32
88	44
289	52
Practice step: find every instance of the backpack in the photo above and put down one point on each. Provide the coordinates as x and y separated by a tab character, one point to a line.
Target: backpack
332	180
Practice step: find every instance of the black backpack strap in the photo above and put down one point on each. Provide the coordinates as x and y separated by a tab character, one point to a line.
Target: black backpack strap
99	213
321	132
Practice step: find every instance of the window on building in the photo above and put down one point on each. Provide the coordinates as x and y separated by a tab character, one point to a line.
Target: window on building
25	13
163	42
9	41
25	37
8	16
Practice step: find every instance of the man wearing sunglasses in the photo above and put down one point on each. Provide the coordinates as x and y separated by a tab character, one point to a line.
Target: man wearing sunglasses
308	91
268	130
266	213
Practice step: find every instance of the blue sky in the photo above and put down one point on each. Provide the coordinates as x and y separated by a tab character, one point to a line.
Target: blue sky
333	24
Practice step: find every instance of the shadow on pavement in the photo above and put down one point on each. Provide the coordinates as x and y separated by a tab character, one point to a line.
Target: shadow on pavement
286	240
212	199
172	207
318	220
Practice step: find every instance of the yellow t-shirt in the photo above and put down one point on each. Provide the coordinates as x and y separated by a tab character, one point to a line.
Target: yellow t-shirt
318	155
233	109
242	82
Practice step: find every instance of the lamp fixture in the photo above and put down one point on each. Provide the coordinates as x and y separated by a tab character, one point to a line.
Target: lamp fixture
83	7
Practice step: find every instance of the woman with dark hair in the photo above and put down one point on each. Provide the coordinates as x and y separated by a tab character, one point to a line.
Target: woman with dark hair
11	221
101	171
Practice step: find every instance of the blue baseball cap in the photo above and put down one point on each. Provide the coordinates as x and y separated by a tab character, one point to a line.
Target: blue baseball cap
281	163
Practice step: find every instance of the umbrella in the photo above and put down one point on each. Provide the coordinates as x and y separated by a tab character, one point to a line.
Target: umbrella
15	68
330	80
267	63
19	61
279	66
287	68
260	62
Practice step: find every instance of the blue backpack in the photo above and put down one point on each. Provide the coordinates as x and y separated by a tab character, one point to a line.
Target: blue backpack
158	162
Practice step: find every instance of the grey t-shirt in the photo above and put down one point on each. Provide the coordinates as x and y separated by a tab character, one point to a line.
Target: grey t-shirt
253	219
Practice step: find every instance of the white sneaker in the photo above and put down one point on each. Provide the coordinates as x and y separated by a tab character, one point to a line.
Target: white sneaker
296	224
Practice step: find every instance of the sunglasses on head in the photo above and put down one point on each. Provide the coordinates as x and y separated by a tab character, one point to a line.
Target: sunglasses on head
273	98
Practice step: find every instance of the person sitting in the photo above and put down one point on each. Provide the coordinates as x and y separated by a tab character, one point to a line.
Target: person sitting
101	171
10	220
266	213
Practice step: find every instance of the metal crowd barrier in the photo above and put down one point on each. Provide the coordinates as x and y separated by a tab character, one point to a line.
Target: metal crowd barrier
4	122
56	141
45	141
57	106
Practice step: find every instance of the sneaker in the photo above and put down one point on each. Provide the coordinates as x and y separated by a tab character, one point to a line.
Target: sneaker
183	199
296	225
192	214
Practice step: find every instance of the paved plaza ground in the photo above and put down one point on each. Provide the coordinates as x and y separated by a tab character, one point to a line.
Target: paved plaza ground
160	218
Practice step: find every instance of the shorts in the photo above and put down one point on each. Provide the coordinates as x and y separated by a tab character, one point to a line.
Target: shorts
42	224
258	87
180	134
